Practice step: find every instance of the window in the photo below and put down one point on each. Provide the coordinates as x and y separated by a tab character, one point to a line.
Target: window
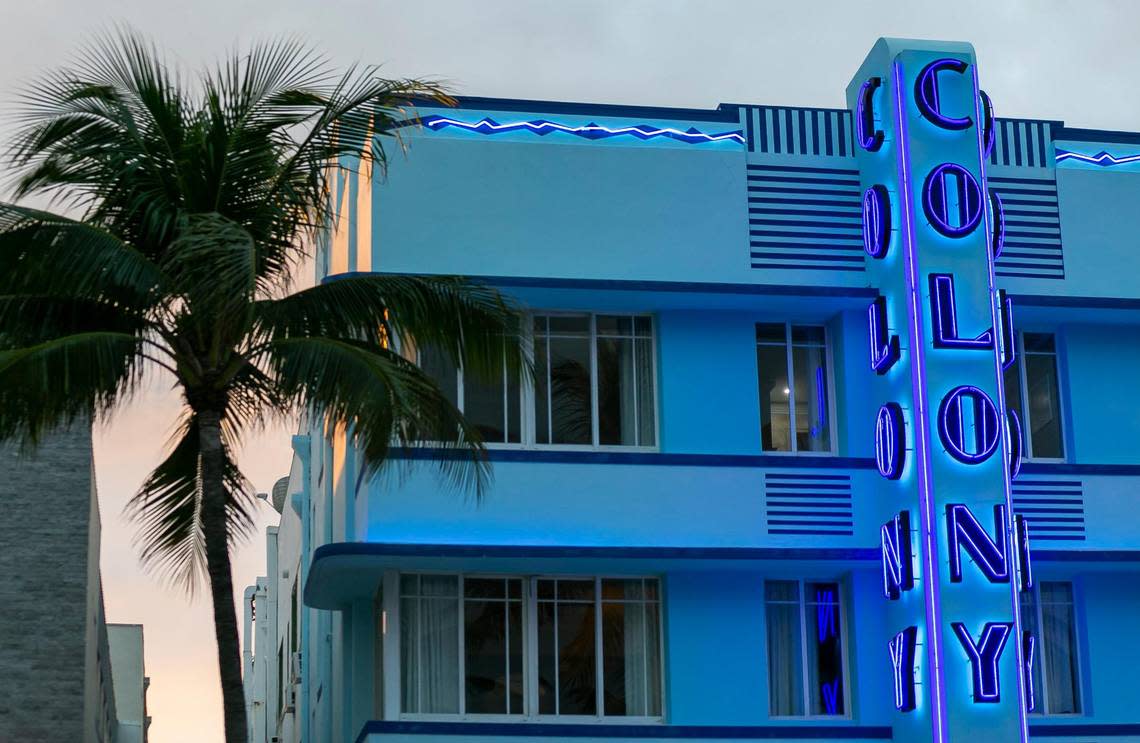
806	664
594	385
1047	614
798	353
1032	389
530	647
493	407
594	380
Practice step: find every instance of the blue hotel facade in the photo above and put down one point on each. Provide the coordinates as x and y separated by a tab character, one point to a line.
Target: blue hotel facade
833	433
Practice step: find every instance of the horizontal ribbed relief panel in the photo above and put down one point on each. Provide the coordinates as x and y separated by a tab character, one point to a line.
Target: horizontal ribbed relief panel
1055	509
807	503
1032	228
805	218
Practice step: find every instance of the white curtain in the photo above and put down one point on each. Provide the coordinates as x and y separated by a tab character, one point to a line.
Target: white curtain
785	680
1060	640
429	643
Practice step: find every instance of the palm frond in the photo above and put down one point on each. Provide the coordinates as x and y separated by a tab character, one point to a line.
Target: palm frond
168	510
473	324
381	398
64	379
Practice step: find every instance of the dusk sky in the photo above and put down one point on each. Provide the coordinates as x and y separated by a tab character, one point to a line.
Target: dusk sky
1074	61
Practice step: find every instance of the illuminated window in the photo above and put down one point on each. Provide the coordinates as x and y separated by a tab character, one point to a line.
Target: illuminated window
1032	389
1047	613
793	417
527	648
594	380
806	658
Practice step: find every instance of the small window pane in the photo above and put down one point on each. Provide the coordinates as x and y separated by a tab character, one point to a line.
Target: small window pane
484	588
770	332
643	326
575	590
824	649
775	397
785	654
811	335
615	325
572	325
1044	405
1039	343
813	429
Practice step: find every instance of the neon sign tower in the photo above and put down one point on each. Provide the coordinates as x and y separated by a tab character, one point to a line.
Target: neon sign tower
940	334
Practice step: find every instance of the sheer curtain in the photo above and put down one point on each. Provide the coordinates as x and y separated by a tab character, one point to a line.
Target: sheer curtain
785	675
1059	654
429	643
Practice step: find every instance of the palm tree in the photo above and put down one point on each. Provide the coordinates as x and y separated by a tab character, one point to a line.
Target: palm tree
190	205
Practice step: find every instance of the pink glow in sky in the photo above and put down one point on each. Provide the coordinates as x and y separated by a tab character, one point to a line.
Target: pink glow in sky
649	52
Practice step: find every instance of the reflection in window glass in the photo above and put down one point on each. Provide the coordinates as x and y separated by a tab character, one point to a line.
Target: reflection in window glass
567	676
1048	615
492	645
594	371
631	661
805	649
625	381
802	405
1032	389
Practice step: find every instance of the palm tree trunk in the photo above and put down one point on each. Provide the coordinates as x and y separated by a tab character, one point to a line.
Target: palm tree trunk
216	535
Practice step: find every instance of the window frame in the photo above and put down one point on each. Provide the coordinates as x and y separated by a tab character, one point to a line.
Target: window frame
1042	694
530	427
1023	397
789	350
529	618
844	647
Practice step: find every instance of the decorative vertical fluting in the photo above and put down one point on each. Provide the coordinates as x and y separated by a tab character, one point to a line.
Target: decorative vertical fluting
953	558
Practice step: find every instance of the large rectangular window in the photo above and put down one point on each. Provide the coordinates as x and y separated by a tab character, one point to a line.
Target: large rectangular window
594	380
564	647
1032	389
1047	613
806	666
794	415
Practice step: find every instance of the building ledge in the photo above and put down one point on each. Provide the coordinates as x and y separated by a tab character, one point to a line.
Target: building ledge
805	731
343	572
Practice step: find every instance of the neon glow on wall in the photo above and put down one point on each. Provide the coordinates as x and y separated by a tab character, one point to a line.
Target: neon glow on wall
1103	159
542	127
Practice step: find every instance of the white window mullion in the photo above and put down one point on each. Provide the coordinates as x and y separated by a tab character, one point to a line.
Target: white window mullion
803	649
598	680
1023	393
633	382
793	445
596	438
1044	691
462	659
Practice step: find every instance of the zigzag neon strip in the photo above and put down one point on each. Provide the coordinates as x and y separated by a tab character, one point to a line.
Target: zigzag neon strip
587	131
1102	158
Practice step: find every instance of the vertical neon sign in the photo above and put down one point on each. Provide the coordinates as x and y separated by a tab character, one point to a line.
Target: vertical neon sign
953	637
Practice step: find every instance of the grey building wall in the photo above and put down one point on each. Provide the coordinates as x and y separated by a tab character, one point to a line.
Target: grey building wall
55	679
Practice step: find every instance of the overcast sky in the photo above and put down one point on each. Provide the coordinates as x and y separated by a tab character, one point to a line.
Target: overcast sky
1074	61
